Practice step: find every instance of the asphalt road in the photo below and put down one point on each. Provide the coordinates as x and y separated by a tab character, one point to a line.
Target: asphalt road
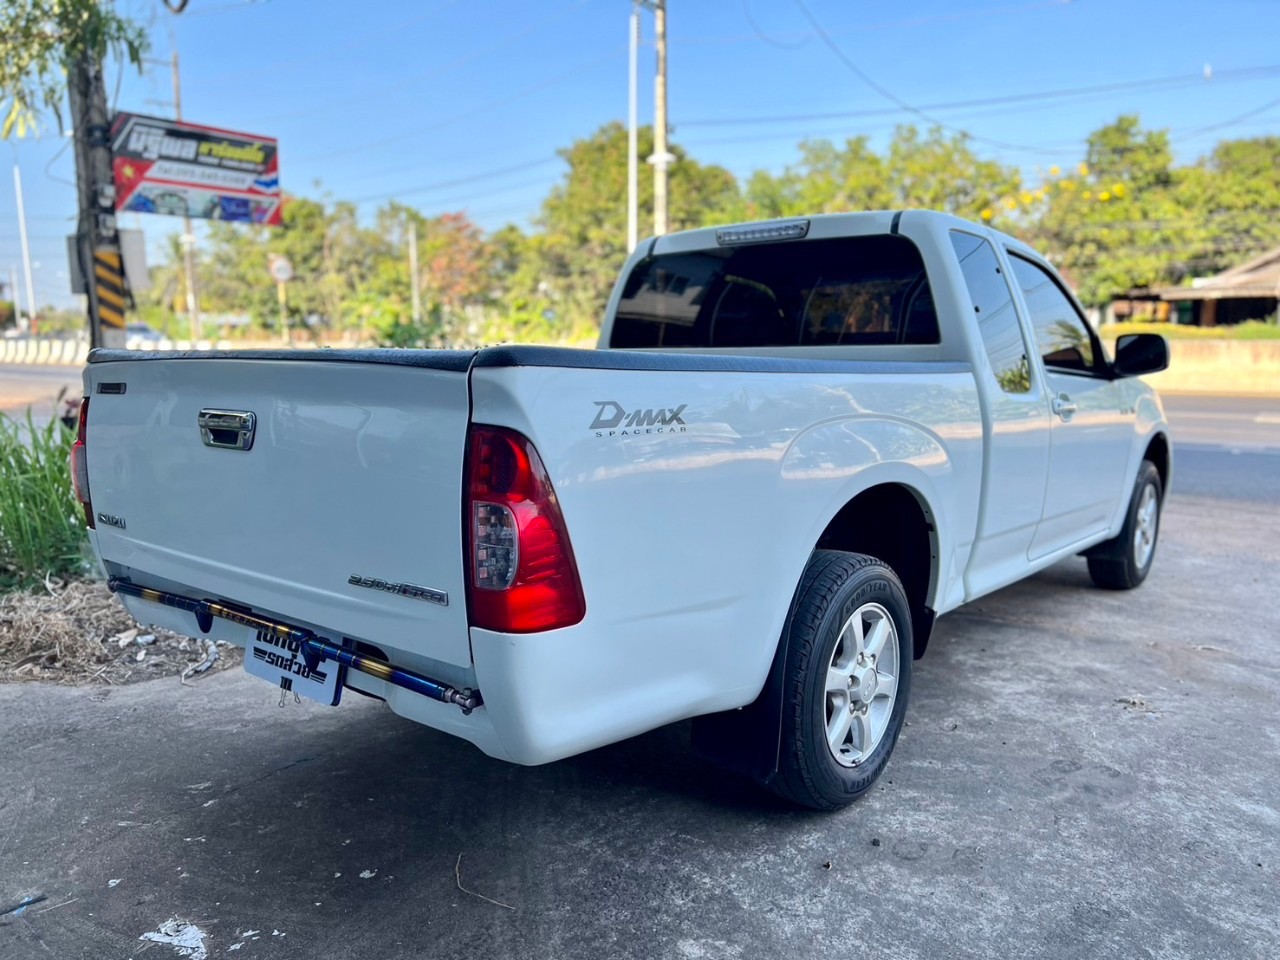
1085	774
1226	447
23	385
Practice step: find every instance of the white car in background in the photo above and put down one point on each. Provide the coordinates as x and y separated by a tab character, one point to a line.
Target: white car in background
138	334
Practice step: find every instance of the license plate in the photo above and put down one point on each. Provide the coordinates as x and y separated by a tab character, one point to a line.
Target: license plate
280	662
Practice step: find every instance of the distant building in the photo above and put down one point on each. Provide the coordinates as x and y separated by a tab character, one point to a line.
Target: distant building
1250	291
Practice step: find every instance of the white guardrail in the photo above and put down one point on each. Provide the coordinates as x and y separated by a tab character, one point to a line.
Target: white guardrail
75	352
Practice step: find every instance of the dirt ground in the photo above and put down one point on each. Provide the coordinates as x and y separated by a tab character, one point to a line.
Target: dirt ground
78	632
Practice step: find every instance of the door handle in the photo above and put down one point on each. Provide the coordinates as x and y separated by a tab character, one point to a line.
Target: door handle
227	429
1064	406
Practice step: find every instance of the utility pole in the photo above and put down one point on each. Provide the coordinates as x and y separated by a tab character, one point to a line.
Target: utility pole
188	237
26	255
633	187
13	295
97	241
661	156
413	274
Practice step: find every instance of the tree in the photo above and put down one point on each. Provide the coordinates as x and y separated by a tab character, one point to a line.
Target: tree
934	171
1117	222
1235	193
41	38
583	220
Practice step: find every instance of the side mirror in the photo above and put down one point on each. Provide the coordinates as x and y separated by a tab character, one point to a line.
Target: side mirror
1140	353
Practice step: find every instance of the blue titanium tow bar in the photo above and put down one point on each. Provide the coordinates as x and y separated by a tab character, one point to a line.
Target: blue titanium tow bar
313	648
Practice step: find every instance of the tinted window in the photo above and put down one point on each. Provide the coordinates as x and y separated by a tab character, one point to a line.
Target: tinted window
993	305
852	290
1061	333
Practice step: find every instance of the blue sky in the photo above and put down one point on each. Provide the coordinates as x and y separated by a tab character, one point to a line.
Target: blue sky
461	104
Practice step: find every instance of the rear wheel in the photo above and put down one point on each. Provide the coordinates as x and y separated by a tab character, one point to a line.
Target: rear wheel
847	679
1123	562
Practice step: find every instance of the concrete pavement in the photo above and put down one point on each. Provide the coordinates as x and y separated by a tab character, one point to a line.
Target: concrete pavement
1085	774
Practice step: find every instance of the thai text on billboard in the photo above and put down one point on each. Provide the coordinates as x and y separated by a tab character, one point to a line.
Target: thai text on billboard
184	169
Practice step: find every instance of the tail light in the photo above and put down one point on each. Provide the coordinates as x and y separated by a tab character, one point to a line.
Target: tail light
80	465
522	577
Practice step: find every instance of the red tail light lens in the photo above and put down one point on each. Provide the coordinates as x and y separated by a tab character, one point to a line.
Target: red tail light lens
522	577
80	466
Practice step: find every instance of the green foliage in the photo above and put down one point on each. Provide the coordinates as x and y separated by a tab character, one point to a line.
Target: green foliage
41	522
583	223
1016	379
1126	217
933	172
51	320
40	38
1129	218
1249	330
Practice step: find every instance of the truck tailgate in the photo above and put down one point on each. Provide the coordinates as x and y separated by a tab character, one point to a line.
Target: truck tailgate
345	511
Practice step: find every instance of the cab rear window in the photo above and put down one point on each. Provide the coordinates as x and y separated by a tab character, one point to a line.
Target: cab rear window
851	290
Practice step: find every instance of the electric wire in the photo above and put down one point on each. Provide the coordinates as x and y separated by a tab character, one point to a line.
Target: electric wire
893	98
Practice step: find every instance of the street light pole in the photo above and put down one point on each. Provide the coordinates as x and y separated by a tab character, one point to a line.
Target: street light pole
188	237
633	174
413	275
26	254
661	157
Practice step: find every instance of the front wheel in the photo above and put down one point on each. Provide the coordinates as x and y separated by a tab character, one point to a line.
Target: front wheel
1124	562
846	682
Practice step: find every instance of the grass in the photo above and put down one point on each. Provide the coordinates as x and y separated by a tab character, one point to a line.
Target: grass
1249	330
41	522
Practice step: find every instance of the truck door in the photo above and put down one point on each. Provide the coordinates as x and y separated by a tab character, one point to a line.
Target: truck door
1016	423
1091	434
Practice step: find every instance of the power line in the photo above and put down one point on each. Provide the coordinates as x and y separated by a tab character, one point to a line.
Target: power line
1233	121
1188	79
893	98
884	25
765	38
223	7
458	181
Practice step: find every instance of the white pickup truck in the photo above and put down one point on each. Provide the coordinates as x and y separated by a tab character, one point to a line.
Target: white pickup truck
799	442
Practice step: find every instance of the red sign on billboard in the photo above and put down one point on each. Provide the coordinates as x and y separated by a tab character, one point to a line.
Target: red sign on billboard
184	169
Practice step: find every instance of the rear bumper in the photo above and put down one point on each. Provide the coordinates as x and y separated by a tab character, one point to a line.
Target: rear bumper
546	696
556	694
406	695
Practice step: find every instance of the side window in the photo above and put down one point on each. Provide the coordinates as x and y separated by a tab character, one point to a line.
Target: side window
993	305
1064	339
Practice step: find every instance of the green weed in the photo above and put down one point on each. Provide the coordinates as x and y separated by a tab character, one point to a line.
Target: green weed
41	523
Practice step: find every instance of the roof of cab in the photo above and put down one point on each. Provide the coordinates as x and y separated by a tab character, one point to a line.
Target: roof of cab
830	225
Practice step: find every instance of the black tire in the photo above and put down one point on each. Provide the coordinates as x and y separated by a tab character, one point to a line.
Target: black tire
1115	565
834	586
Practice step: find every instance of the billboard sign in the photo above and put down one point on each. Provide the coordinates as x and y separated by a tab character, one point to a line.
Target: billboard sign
184	169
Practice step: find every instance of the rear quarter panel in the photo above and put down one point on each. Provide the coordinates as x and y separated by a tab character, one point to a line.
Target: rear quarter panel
691	537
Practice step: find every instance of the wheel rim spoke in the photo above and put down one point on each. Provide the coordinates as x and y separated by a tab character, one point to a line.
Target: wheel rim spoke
838	728
861	684
879	634
852	640
862	733
1148	519
838	681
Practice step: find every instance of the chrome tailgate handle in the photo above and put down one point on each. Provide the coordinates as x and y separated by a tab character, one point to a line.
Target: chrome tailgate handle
227	429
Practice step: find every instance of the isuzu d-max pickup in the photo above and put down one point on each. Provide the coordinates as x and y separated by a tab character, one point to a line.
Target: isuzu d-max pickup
799	442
